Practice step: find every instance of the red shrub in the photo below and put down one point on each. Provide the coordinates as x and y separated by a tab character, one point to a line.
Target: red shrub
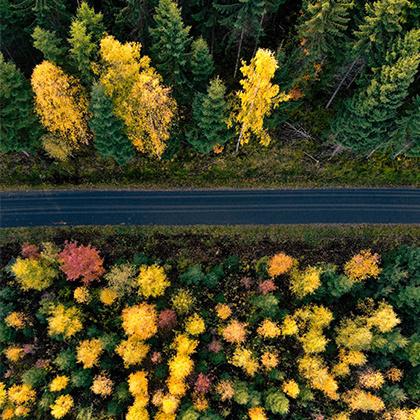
267	286
202	384
167	319
82	262
29	251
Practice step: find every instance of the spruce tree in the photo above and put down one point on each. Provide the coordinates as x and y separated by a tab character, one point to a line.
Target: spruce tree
210	113
91	20
109	134
49	44
202	65
170	44
406	136
323	26
383	22
366	120
20	130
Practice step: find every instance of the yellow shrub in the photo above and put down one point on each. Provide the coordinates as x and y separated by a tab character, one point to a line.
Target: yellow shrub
235	332
195	325
65	321
32	273
200	403
303	283
223	311
184	345
176	387
21	394
280	264
225	390
257	413
16	320
132	351
289	326
312	368
269	329
88	352
269	360
354	335
138	383
313	341
371	379
140	321
3	394
362	266
291	388
169	404
14	353
180	366
137	411
102	385
359	400
81	294
394	374
384	318
182	301
59	383
62	405
245	359
108	296
152	281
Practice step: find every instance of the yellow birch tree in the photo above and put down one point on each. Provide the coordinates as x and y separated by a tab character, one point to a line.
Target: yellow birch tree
140	99
258	97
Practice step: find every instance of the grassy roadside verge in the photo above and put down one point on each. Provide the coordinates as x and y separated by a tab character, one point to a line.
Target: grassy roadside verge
278	166
208	244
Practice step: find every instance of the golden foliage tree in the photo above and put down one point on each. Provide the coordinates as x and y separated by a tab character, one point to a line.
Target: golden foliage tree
61	104
257	98
140	99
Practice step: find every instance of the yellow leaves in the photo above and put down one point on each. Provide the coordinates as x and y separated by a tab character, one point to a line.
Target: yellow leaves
362	266
305	282
140	99
65	321
132	351
257	98
152	281
60	103
384	318
140	321
291	388
195	325
280	264
59	383
363	401
235	332
245	359
88	352
62	405
268	329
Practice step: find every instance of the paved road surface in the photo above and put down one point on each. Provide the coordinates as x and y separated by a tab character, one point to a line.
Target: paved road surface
210	207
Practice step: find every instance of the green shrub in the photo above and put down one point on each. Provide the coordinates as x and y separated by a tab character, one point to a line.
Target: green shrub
276	402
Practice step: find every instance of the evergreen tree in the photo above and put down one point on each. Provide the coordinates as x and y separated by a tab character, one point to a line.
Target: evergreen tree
86	31
202	65
49	44
20	130
210	113
170	43
242	19
382	23
109	135
81	49
406	136
365	121
323	26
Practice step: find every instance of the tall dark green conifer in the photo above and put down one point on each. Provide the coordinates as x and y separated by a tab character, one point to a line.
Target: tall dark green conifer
210	113
366	120
170	45
110	139
20	130
202	65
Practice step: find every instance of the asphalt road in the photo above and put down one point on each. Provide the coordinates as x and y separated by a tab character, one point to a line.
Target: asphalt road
48	208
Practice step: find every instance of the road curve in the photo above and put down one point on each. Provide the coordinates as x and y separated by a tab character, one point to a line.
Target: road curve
221	207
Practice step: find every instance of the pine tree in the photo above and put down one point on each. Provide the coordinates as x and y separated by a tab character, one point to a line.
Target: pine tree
202	65
406	136
109	135
382	23
210	113
323	26
86	30
20	130
366	120
49	44
170	44
242	20
81	49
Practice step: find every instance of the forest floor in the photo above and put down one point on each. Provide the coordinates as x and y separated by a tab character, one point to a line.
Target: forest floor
302	163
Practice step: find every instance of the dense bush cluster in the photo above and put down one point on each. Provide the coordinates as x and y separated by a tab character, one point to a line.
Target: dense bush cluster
84	337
